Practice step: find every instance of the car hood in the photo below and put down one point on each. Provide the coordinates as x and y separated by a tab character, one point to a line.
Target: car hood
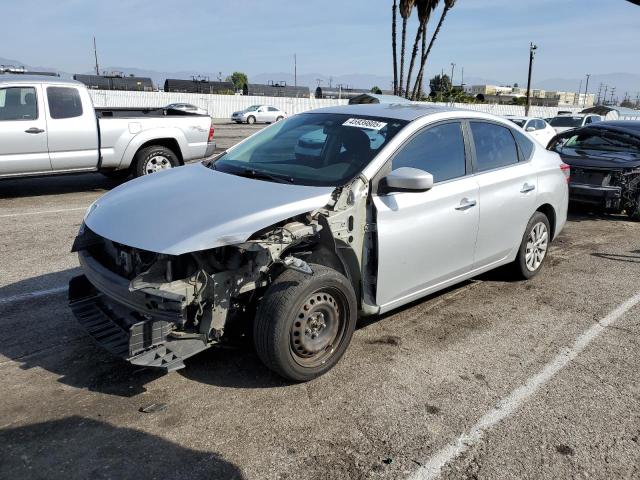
194	208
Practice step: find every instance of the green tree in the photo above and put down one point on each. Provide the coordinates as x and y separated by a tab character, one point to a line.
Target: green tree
376	90
238	79
440	84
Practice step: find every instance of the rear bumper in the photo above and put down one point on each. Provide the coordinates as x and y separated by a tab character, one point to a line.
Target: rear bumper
211	148
607	196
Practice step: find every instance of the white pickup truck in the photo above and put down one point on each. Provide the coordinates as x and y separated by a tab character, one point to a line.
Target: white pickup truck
49	126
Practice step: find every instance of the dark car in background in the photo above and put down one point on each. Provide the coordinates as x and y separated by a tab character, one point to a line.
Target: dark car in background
605	165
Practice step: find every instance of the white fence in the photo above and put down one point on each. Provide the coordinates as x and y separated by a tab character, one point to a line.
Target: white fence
222	106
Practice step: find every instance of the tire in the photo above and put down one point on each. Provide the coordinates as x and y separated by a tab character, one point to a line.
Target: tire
251	119
528	262
304	323
634	212
154	158
279	118
117	175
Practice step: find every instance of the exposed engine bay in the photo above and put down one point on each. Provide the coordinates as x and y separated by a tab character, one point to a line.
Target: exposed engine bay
157	309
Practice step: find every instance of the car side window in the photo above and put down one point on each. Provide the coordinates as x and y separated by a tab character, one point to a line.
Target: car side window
18	103
438	150
64	102
273	109
526	146
595	119
540	124
495	146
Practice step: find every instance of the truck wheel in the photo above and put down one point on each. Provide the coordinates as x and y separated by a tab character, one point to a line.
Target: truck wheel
251	120
154	159
305	322
533	248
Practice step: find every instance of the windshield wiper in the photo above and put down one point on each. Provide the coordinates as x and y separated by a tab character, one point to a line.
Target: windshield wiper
259	174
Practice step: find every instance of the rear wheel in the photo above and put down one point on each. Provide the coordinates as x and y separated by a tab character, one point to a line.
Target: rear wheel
305	322
534	246
251	120
279	118
154	159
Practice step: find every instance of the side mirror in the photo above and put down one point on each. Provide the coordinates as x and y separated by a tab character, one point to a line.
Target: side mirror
408	179
531	129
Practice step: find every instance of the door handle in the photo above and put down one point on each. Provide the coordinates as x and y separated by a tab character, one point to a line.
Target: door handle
527	188
33	130
466	204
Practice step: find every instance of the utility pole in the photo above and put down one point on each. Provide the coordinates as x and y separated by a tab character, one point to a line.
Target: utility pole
577	99
604	97
95	54
532	50
613	92
453	66
599	92
462	80
295	70
586	91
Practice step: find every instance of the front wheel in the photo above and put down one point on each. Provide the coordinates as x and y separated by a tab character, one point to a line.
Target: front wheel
534	247
154	159
305	322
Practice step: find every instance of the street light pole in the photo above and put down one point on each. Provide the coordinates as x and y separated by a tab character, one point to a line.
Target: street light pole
532	49
586	91
453	66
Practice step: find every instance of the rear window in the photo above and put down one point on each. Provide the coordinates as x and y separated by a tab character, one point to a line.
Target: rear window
566	122
64	102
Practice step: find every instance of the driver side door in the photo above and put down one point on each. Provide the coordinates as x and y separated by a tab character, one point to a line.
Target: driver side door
426	240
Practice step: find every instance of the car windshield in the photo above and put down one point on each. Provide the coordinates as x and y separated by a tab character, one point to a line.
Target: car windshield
321	149
252	108
518	121
566	122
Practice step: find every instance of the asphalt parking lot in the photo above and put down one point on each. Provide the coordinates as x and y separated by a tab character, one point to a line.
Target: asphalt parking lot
491	379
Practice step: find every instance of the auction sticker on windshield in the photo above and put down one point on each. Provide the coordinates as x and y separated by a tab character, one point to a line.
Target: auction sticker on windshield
364	123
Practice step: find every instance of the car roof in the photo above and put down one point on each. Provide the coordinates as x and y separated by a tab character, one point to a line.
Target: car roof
629	126
398	111
626	124
517	117
31	79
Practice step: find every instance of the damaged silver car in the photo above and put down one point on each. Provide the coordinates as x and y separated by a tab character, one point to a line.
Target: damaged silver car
294	233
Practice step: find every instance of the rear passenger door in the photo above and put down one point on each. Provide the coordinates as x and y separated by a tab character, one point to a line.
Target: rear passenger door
73	130
507	182
23	131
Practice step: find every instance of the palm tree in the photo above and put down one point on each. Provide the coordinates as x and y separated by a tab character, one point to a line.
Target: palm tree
406	6
394	9
424	7
448	5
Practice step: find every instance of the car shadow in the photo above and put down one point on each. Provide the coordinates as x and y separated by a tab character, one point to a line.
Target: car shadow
79	447
580	213
617	257
56	184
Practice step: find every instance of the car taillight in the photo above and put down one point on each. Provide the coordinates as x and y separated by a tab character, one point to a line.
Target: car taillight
566	169
211	132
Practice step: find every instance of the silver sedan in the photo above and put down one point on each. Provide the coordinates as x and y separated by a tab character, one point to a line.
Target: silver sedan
259	114
310	223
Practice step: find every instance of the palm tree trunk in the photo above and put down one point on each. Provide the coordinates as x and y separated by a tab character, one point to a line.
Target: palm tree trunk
394	10
414	54
402	49
426	54
416	92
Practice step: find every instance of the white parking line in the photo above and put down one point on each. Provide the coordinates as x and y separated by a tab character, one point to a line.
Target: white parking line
508	405
43	212
31	295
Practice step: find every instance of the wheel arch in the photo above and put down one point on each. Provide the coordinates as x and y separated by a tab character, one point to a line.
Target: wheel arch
550	212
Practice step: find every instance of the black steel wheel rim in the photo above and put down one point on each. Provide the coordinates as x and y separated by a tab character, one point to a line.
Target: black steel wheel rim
318	328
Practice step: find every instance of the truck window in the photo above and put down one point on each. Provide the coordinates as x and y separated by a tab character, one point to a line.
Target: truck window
64	102
18	103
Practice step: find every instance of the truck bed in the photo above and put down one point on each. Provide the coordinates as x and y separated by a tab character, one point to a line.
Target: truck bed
124	112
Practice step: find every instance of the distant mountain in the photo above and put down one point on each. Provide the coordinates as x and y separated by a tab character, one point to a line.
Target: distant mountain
624	82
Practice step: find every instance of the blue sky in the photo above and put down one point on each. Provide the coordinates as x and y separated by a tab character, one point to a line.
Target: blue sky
488	37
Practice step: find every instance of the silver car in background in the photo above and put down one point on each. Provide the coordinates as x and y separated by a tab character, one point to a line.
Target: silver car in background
295	243
259	114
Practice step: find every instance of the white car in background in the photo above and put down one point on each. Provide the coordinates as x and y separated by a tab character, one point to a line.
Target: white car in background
259	113
536	127
562	123
187	108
